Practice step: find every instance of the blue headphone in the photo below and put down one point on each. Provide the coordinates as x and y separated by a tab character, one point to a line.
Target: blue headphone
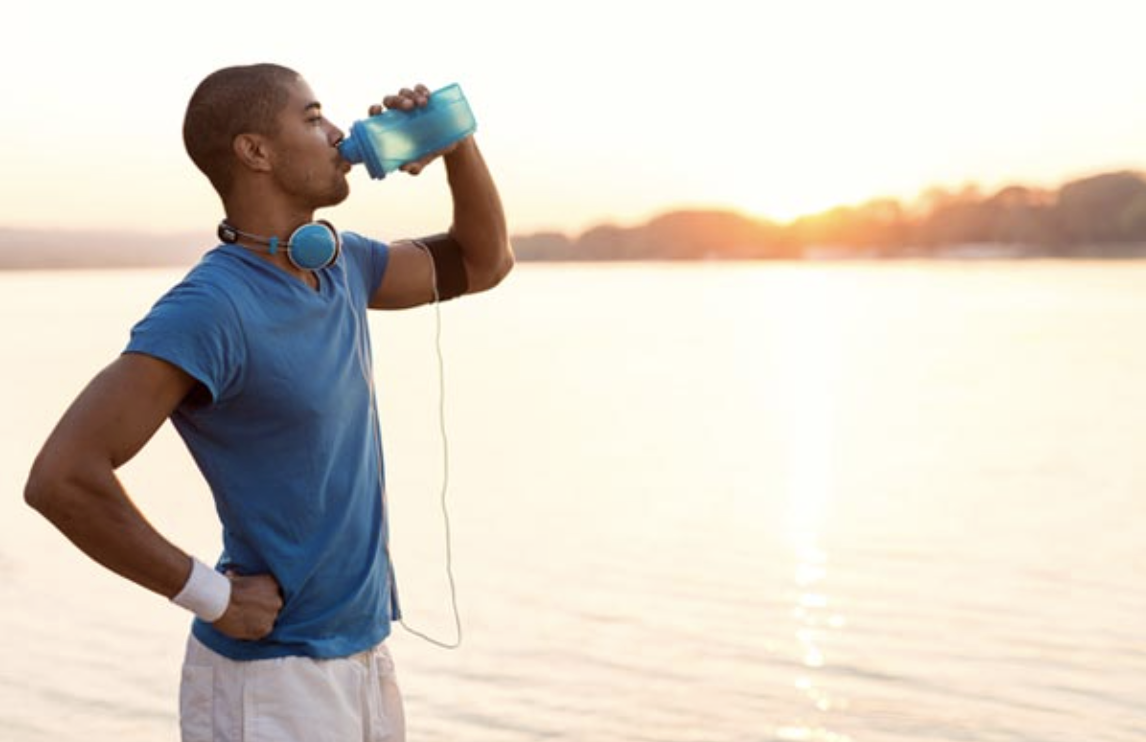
311	247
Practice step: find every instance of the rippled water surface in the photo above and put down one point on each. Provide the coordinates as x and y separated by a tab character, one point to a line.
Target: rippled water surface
837	502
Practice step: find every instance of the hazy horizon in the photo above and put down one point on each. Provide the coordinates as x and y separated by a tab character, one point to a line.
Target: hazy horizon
571	230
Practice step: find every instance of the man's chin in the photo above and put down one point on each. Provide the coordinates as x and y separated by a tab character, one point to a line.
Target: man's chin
337	195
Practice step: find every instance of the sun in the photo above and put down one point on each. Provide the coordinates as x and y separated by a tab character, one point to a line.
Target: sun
783	197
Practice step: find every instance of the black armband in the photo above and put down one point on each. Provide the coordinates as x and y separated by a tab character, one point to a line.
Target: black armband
449	266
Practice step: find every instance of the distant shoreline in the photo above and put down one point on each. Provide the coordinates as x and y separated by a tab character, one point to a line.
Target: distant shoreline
112	259
46	249
1100	217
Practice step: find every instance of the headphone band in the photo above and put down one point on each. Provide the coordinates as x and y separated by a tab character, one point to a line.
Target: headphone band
312	246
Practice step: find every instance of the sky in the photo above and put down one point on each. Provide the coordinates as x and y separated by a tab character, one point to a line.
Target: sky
599	111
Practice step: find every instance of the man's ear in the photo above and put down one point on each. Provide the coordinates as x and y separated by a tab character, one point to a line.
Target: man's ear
251	152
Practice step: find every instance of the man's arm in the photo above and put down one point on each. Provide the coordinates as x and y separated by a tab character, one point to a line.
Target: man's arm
73	484
478	228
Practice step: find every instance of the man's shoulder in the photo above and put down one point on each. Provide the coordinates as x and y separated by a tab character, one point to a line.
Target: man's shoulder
209	287
359	244
196	327
217	266
368	256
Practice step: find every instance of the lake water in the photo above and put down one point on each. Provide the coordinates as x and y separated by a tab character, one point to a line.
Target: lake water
690	503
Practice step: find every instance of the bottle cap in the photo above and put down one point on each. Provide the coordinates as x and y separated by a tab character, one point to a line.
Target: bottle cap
350	150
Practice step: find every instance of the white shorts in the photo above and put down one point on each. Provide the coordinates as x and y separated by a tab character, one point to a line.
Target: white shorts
291	699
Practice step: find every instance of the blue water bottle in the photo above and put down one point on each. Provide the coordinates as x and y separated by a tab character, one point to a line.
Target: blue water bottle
395	137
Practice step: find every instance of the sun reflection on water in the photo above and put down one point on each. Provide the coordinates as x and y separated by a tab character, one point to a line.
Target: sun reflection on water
812	365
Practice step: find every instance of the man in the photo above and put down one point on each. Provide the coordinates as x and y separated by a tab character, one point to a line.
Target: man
263	367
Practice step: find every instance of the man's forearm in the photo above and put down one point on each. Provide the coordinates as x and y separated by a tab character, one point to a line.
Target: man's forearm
97	516
479	219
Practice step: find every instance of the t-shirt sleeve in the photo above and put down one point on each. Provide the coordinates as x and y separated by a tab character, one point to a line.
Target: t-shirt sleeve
370	259
198	331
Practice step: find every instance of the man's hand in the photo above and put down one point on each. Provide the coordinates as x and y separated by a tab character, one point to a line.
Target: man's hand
255	604
408	99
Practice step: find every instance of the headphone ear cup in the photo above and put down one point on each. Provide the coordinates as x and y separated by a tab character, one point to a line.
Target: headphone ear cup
315	245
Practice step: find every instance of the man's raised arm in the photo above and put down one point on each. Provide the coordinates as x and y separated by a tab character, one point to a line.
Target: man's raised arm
476	247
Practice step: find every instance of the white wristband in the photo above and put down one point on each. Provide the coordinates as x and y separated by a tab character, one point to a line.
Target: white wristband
206	592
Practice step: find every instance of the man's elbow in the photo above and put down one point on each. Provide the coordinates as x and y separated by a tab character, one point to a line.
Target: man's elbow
46	491
492	273
39	489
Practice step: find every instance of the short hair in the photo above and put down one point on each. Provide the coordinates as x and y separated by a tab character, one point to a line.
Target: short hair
229	102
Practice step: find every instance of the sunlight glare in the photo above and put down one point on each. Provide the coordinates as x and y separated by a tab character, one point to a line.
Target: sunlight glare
811	365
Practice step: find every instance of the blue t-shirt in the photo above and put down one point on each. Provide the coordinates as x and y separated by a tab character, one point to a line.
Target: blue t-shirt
284	429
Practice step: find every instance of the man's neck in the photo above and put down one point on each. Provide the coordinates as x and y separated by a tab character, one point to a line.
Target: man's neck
264	218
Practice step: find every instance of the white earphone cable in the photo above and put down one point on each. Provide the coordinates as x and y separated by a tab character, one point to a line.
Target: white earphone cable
445	465
367	374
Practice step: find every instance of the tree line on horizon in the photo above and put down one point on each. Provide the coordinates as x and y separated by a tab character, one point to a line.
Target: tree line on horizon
1100	215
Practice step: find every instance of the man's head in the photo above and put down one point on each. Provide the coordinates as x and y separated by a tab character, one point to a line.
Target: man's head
243	120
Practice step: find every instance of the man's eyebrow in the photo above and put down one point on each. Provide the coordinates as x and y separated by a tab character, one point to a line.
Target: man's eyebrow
313	105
